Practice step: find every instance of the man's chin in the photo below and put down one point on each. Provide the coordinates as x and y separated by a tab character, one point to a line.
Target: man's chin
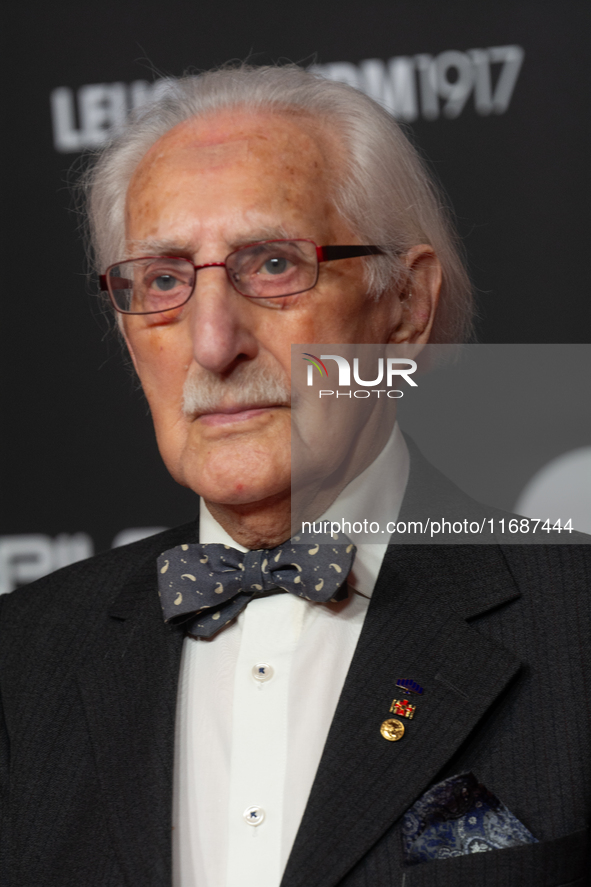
235	469
237	492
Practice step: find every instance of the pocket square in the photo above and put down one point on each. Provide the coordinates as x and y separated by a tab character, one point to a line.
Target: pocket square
456	817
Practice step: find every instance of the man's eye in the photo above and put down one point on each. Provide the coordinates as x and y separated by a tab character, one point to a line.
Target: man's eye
164	283
277	265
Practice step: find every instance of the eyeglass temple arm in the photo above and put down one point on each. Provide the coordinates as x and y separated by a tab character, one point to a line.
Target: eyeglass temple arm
118	283
330	253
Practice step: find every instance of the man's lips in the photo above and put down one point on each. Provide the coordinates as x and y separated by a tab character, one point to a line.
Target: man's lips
230	415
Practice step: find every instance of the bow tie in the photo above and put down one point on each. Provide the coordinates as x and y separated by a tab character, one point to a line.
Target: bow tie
209	585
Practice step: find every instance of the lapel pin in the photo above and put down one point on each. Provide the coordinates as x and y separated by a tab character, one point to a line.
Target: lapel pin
403	708
392	730
409	686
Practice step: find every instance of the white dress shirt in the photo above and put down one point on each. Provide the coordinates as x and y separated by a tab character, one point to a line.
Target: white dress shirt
256	701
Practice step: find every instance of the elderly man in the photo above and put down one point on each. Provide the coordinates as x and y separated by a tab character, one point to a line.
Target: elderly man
253	741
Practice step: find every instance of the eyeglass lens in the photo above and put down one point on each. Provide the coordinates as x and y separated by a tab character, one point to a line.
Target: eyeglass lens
260	271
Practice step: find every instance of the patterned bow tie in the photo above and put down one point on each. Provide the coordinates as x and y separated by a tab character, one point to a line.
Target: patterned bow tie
209	585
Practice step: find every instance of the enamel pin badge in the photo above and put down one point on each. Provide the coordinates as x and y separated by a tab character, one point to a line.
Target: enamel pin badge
403	708
409	686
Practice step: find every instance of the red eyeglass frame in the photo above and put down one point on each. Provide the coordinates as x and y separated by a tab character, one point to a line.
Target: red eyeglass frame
323	254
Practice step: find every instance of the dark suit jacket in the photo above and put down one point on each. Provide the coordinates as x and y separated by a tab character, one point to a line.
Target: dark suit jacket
498	636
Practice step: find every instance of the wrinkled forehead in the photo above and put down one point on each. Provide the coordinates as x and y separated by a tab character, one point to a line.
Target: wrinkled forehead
294	148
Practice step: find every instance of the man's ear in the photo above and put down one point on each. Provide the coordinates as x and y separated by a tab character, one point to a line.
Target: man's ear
418	298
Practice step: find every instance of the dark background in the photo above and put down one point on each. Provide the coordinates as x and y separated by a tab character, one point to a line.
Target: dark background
79	452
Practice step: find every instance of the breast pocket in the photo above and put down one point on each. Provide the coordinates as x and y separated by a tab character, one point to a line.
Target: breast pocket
563	862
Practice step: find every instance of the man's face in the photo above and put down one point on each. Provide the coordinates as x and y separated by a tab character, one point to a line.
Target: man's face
203	190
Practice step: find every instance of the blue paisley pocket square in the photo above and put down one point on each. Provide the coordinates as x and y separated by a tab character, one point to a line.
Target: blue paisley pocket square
456	817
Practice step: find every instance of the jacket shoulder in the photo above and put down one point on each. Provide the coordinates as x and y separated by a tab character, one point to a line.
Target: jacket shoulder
77	590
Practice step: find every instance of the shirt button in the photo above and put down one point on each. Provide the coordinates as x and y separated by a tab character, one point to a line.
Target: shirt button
262	672
254	815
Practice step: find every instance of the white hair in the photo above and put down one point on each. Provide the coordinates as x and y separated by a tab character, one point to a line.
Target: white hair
384	191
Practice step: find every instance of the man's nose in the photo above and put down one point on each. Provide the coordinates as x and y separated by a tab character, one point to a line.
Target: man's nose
220	321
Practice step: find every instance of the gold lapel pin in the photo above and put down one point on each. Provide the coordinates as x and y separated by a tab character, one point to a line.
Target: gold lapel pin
392	730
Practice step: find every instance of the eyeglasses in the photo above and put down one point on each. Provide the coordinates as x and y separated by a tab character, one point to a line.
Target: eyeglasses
267	270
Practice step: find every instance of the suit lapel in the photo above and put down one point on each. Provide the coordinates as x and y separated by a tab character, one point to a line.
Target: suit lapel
128	686
415	628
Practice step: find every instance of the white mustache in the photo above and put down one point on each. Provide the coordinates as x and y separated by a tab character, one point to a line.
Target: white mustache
257	386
